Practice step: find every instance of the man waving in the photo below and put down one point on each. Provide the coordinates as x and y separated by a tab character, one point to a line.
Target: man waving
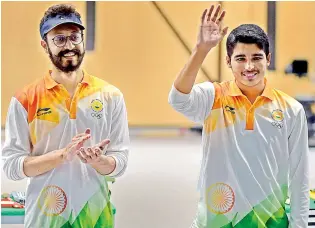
255	148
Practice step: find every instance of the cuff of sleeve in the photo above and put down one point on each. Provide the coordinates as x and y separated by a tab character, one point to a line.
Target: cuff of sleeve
178	96
119	167
20	171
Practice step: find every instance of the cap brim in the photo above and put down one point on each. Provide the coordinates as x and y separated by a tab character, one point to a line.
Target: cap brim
67	22
61	23
53	22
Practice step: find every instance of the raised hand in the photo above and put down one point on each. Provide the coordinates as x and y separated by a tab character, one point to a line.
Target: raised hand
211	32
77	142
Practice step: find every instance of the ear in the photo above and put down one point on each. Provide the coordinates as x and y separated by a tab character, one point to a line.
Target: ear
44	45
268	59
228	61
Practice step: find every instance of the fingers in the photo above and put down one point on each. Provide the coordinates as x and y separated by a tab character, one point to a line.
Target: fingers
84	157
80	141
224	31
73	147
203	16
214	18
87	132
78	136
103	143
82	138
86	153
220	19
71	152
210	12
81	157
97	151
89	155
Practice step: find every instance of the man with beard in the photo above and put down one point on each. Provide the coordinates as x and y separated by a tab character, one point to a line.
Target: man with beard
66	133
255	149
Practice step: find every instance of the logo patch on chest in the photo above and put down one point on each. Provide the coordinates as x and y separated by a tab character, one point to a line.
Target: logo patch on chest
97	108
278	117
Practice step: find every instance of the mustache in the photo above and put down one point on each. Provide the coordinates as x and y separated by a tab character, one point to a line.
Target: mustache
75	51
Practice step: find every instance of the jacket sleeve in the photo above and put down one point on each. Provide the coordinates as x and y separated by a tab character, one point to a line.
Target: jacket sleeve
119	137
17	145
196	105
299	172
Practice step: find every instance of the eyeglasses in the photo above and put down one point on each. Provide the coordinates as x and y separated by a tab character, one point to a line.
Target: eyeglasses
61	40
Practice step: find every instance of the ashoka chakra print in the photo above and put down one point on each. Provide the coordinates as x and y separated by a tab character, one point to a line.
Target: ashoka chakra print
220	198
52	200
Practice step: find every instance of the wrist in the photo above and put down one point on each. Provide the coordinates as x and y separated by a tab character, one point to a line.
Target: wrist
111	161
102	161
106	165
200	50
61	154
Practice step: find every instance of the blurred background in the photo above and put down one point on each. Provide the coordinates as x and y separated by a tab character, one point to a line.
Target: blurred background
140	47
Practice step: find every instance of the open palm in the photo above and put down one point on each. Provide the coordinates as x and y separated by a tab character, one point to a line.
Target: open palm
211	33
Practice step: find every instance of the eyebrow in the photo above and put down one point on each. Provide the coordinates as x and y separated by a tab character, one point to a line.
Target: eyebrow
57	34
254	55
237	56
258	55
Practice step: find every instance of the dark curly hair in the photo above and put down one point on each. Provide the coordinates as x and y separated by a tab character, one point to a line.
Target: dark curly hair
248	34
60	9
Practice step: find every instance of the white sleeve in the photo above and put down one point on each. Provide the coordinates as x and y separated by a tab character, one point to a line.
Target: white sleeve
299	173
196	105
119	137
17	145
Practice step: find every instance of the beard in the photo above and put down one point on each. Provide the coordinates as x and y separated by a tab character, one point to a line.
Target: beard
68	65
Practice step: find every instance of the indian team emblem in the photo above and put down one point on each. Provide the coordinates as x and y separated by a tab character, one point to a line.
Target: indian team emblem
277	116
97	107
52	200
220	198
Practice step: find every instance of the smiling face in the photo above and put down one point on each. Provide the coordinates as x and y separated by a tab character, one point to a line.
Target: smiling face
65	47
249	64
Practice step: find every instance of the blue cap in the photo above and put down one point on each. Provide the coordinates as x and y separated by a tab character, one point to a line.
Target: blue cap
53	22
